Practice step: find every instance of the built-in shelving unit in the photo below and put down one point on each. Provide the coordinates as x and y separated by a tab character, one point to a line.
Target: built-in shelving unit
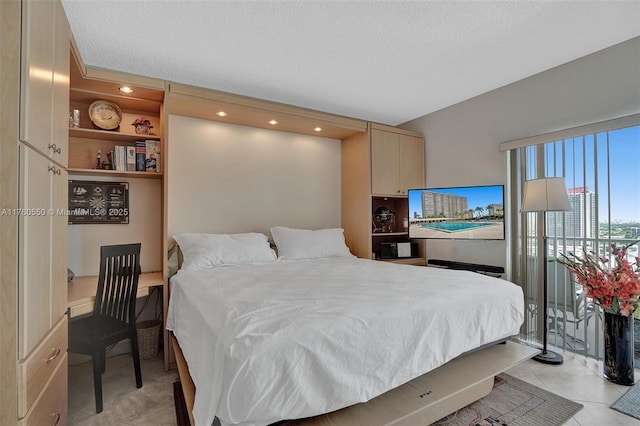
146	219
378	168
87	140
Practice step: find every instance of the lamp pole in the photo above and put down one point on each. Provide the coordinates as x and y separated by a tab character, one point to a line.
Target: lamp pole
544	195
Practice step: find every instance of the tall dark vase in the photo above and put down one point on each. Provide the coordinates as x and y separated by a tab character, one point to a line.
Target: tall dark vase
618	349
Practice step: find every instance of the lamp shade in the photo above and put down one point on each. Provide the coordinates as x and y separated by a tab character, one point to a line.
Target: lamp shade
545	195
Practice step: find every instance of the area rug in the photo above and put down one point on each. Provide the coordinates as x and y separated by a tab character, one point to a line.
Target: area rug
513	402
629	403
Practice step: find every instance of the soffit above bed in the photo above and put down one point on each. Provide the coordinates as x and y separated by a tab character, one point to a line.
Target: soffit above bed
204	103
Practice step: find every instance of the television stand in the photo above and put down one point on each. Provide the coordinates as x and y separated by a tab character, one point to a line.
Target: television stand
474	267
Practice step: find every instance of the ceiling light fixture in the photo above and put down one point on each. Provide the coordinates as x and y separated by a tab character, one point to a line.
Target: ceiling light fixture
221	114
318	129
273	122
126	89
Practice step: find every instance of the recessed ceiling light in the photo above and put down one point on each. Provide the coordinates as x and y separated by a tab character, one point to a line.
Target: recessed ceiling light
318	129
221	114
273	122
126	89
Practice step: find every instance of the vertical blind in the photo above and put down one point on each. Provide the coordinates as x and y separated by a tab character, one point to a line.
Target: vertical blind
601	183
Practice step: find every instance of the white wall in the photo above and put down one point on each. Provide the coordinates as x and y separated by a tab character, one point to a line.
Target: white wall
462	141
145	223
225	178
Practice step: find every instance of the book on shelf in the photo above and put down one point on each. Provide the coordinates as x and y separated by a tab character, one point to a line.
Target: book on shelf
114	158
131	158
122	158
141	156
152	155
119	158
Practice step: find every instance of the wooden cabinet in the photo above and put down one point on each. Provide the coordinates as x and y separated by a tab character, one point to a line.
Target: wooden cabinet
42	247
37	369
378	167
397	161
45	79
51	406
34	80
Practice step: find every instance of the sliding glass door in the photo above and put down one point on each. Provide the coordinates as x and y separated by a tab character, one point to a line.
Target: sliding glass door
602	175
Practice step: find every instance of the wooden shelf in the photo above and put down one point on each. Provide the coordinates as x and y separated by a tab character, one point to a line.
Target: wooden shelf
116	173
388	234
79	132
125	102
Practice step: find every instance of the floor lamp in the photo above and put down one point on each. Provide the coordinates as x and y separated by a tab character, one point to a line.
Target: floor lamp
545	195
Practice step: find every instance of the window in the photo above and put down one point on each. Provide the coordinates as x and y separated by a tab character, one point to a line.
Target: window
601	167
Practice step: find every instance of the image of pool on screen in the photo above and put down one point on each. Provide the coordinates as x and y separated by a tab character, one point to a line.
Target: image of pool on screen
464	213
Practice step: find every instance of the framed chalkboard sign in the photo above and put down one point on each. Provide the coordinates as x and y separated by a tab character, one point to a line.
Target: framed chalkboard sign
98	202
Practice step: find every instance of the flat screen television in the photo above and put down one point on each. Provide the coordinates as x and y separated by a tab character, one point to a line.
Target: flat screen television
459	213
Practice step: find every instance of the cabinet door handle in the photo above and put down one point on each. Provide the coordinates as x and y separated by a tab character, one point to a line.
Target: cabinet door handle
54	355
53	170
56	418
54	148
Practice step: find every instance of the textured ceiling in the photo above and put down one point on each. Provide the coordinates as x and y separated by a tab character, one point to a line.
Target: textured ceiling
383	61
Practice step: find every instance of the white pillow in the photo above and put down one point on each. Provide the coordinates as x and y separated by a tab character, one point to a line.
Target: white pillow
202	251
296	244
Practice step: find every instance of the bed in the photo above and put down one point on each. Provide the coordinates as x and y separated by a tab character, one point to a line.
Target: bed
314	330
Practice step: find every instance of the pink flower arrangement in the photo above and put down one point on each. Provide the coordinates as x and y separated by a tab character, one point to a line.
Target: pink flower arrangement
142	121
614	287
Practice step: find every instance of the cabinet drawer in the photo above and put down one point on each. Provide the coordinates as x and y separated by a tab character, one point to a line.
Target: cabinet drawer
51	407
36	370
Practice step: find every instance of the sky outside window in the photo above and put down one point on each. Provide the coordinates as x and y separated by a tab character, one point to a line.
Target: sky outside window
608	164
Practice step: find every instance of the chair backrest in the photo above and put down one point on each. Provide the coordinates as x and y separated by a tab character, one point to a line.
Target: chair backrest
118	282
565	295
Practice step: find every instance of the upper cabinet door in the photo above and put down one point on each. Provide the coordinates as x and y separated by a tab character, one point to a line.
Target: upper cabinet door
59	150
385	163
44	107
397	163
37	74
411	163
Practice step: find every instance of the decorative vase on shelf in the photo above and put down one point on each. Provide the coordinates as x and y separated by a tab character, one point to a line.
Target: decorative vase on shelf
142	129
142	126
618	349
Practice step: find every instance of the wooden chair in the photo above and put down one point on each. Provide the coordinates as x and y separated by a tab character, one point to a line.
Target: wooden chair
568	307
114	317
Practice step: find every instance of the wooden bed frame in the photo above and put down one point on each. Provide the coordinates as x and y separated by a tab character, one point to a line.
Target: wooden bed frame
423	400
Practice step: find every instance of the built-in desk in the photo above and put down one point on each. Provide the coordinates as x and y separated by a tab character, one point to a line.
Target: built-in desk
81	291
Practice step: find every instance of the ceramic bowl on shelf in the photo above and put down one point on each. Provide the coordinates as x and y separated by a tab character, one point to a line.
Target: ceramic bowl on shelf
105	115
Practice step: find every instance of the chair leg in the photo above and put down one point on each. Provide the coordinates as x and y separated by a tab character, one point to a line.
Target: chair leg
98	363
136	358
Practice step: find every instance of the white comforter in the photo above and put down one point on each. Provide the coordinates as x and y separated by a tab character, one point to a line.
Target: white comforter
295	339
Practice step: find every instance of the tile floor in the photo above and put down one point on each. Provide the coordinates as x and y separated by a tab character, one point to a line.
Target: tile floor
579	379
124	404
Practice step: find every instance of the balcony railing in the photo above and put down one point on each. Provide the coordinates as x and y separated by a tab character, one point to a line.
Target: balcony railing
574	321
